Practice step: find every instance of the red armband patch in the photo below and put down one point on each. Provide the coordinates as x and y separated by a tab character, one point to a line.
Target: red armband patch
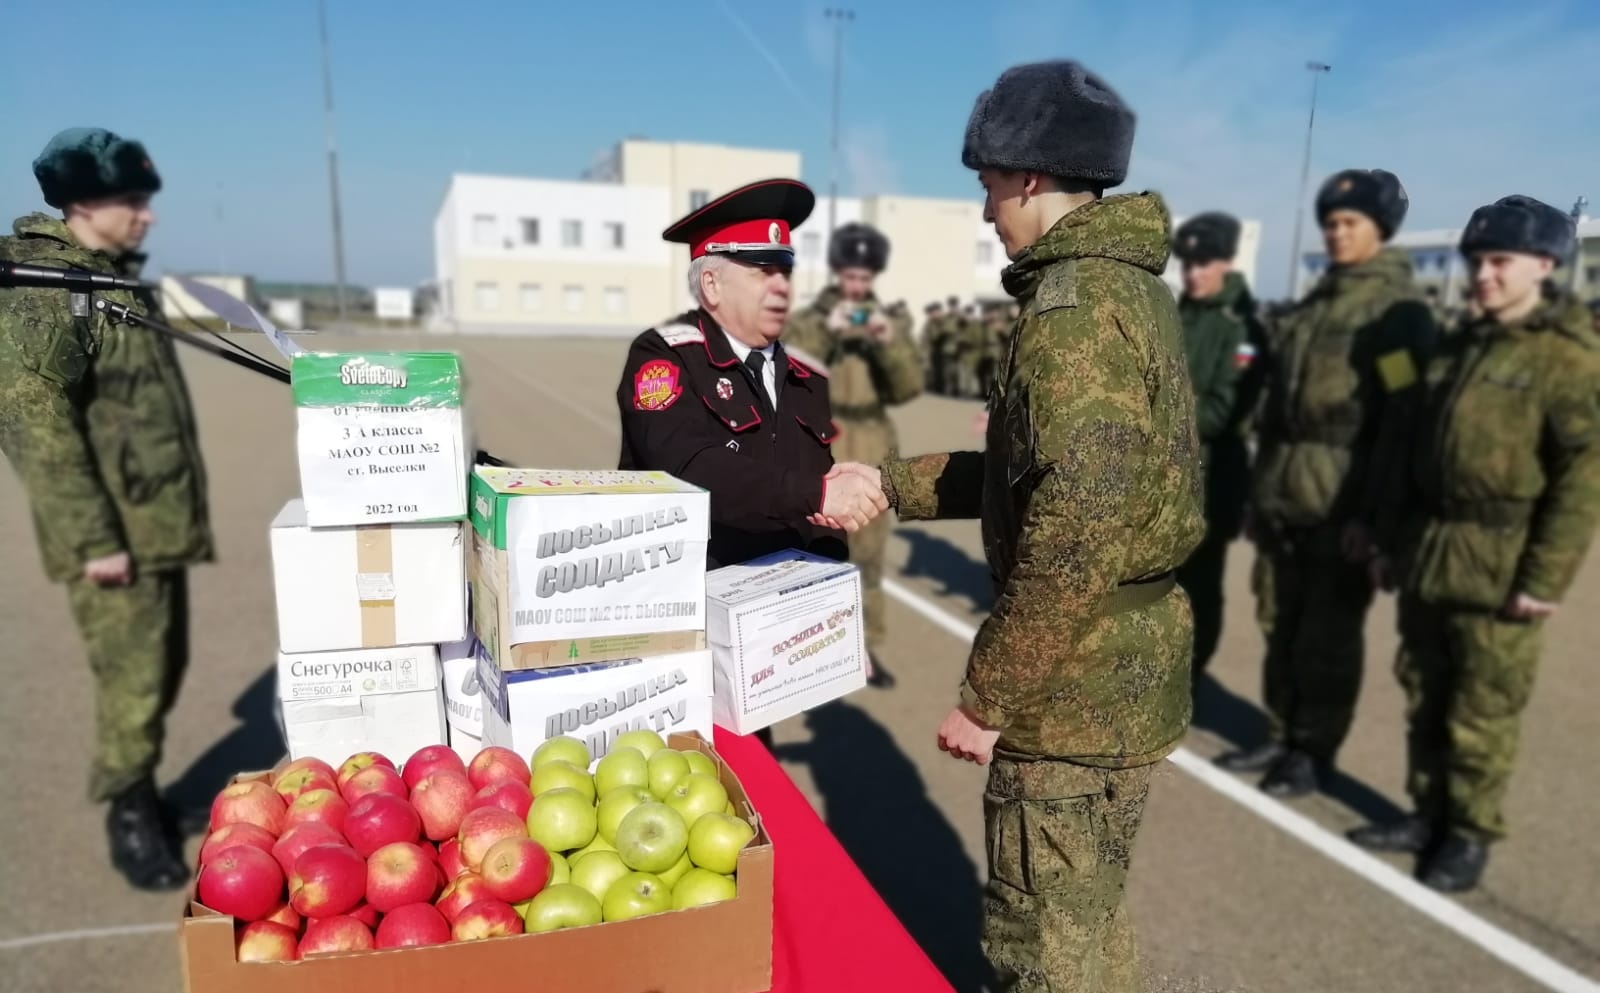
657	385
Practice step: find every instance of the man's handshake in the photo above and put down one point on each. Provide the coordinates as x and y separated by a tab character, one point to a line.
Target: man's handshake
852	496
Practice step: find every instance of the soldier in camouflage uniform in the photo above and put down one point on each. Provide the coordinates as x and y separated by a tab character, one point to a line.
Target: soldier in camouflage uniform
872	365
931	319
1500	495
96	421
1343	358
1089	493
950	349
1221	340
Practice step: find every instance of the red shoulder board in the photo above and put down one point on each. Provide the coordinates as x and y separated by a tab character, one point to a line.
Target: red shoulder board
804	365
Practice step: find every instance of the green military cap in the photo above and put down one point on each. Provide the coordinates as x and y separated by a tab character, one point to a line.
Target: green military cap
90	163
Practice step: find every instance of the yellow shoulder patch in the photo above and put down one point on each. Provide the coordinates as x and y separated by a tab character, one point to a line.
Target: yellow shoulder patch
1396	370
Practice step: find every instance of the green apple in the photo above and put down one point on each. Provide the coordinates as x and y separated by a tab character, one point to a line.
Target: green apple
614	806
716	840
647	742
597	873
559	906
652	837
729	810
621	767
666	768
700	762
634	895
561	820
697	795
562	749
679	868
559	870
599	844
559	773
699	887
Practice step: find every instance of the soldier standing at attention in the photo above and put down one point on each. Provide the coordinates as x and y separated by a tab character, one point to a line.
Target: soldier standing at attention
1221	339
1089	493
872	365
97	423
931	321
1504	491
1343	357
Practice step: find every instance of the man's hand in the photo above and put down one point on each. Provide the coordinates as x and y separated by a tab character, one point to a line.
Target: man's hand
839	317
109	570
965	737
879	327
853	497
980	423
1522	607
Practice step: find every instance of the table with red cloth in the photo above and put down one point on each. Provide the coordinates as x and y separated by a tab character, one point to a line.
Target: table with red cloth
831	932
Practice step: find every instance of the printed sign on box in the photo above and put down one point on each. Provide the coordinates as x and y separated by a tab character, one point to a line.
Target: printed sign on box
335	704
786	635
463	700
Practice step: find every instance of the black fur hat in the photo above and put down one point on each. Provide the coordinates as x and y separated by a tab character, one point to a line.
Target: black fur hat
1057	118
90	163
1206	238
1374	192
1519	224
858	246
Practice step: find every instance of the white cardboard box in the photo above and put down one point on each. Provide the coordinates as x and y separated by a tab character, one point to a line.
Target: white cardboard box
463	700
586	566
463	744
786	635
596	702
367	587
335	704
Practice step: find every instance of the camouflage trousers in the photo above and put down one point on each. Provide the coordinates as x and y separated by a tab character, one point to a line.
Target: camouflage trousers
1201	577
1313	608
870	441
137	640
1467	676
1060	841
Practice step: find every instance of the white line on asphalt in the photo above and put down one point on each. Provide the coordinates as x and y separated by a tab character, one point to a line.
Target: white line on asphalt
1506	947
54	937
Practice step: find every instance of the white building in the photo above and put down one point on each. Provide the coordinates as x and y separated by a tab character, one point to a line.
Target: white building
539	256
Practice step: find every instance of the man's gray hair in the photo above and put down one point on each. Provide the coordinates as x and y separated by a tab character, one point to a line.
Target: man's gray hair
705	263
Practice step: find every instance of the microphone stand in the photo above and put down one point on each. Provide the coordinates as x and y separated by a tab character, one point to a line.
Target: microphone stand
121	313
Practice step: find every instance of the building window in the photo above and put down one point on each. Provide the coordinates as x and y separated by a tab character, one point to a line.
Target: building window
484	230
530	231
487	296
698	199
571	234
1591	278
531	296
985	253
614	234
616	300
572	298
811	246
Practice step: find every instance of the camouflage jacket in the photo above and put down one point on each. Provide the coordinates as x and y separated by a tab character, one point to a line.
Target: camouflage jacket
1090	480
1504	468
96	420
1225	347
863	375
1343	358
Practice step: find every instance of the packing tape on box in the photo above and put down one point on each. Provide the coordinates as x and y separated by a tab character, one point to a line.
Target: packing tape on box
375	584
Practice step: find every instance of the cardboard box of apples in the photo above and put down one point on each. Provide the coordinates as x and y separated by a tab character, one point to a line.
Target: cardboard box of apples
651	873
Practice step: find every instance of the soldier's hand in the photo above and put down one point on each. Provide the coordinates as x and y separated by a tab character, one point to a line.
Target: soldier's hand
1522	607
879	327
965	737
980	423
109	570
839	317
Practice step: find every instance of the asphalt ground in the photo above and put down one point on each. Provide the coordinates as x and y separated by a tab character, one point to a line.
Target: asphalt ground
1229	891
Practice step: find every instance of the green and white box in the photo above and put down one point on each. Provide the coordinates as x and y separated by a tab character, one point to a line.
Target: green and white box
381	437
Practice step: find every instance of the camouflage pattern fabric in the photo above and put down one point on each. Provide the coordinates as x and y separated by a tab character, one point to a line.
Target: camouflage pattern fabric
1060	840
137	639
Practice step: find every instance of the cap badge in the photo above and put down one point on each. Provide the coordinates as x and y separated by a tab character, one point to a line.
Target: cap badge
725	388
774	233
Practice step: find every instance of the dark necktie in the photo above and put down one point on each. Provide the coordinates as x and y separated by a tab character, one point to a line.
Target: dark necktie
755	362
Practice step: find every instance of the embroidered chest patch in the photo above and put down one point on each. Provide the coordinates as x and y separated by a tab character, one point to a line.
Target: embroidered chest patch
657	385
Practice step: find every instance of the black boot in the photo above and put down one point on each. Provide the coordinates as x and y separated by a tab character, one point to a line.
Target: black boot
1410	834
881	678
1296	774
1255	759
1457	866
142	848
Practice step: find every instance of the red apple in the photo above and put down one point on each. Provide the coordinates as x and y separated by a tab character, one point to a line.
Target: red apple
254	802
442	798
463	891
335	934
366	913
286	916
498	765
327	881
290	785
301	838
242	882
412	925
264	941
374	779
481	828
507	795
450	859
486	919
229	835
427	761
360	761
309	762
399	874
317	807
379	819
516	869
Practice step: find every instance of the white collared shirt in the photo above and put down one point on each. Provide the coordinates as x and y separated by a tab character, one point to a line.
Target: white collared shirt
769	372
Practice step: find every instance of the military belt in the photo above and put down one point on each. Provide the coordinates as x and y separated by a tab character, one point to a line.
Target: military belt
1489	513
1137	594
862	412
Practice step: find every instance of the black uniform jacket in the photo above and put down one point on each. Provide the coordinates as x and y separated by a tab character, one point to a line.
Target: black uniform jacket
690	408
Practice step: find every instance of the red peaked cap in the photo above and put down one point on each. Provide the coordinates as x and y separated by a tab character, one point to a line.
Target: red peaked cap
751	224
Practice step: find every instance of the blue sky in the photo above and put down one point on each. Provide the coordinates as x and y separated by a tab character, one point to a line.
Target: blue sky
1465	100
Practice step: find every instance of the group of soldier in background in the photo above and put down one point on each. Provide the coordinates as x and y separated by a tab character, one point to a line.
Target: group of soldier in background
963	347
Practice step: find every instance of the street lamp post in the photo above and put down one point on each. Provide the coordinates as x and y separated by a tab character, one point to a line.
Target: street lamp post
838	16
1316	69
1575	277
333	159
